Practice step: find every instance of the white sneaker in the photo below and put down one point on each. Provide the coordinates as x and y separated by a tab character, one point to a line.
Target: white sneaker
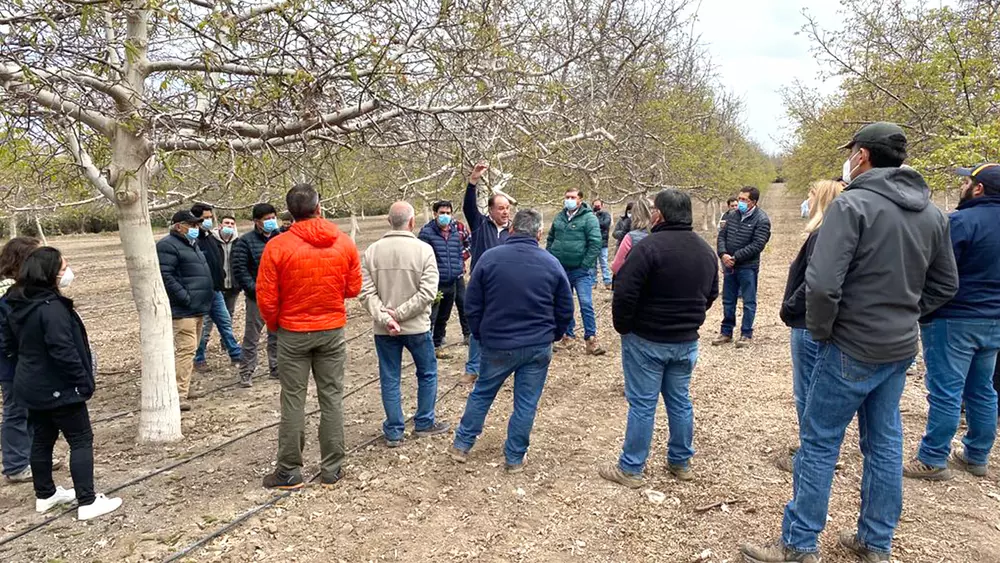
62	496
102	505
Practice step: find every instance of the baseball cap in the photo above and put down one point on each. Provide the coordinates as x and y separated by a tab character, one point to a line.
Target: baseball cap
184	216
987	174
882	133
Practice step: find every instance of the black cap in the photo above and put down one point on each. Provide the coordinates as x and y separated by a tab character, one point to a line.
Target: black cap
986	174
184	216
882	133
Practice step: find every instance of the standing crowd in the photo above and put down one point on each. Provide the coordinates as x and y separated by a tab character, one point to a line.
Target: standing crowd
881	270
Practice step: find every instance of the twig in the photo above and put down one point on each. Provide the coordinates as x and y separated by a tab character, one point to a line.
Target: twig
708	507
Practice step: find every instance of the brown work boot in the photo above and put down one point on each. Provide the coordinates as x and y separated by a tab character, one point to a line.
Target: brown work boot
722	339
916	469
776	553
593	348
566	343
849	539
468	379
458	455
785	462
440	354
613	473
744	342
681	472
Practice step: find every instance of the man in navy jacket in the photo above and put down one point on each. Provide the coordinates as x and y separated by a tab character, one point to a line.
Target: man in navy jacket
488	231
518	303
443	236
962	337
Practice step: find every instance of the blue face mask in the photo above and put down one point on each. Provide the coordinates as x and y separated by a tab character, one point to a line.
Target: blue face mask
228	231
207	224
444	220
270	225
570	204
743	206
192	233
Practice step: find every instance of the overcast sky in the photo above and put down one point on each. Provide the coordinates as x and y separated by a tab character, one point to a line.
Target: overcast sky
754	46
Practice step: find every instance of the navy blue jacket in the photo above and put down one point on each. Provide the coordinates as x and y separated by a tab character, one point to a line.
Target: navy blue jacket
245	260
186	276
975	237
744	238
448	252
518	297
484	232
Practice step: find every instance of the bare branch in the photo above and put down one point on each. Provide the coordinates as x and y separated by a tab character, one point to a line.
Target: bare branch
83	159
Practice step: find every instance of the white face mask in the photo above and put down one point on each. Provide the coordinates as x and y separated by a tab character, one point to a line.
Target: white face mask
67	278
847	170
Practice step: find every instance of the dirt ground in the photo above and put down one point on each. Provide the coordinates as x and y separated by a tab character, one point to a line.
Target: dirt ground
414	504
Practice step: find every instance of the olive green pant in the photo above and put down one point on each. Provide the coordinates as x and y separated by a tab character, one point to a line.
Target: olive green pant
325	354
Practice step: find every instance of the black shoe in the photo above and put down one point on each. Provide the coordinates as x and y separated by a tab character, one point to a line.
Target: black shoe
438	428
331	482
283	482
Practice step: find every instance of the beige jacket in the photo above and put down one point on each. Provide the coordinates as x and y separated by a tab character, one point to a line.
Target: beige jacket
399	272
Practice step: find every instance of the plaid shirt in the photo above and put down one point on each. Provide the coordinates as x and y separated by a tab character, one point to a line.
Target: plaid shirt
466	237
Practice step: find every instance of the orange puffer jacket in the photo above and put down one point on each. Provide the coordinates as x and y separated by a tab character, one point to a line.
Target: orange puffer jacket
305	275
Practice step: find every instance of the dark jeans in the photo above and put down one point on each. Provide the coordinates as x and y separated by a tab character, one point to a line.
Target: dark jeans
251	338
15	434
74	423
441	312
390	359
220	316
460	305
530	367
741	281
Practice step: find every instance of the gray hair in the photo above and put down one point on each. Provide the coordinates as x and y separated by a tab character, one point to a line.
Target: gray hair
399	215
527	222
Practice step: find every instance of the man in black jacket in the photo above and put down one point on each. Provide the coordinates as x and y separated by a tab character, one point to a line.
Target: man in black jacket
740	243
219	313
188	281
245	260
604	220
671	278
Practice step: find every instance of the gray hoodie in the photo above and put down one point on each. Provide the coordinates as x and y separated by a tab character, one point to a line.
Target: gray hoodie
227	251
882	260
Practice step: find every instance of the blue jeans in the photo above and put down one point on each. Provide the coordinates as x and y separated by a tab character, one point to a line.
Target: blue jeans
736	283
582	280
602	267
472	364
804	351
961	355
220	316
530	367
390	358
653	369
841	387
15	434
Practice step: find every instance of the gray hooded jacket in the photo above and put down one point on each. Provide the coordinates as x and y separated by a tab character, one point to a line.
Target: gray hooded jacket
882	260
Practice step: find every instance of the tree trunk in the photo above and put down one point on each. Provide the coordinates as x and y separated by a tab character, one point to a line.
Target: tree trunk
12	225
707	220
354	227
41	232
160	416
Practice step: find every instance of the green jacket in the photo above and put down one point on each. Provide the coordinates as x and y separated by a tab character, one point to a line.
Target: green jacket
575	243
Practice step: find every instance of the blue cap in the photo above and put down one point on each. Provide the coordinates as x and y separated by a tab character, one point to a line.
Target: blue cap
986	174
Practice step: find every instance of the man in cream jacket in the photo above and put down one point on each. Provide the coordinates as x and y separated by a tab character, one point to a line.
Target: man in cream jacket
399	285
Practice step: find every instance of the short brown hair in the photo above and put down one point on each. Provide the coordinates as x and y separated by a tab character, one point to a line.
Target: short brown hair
14	253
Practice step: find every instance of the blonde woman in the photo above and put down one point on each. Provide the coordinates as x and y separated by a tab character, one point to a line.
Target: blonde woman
641	223
793	308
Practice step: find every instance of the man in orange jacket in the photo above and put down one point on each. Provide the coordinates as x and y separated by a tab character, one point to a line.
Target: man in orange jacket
305	276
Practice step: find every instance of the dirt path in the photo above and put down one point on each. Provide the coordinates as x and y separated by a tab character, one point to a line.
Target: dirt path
413	504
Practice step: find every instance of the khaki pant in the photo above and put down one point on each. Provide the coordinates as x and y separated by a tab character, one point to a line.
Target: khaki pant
325	353
186	334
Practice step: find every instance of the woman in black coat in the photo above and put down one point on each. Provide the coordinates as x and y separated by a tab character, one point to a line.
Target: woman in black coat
53	378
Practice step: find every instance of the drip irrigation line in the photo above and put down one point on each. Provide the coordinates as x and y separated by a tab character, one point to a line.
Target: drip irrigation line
236	522
213	449
223	387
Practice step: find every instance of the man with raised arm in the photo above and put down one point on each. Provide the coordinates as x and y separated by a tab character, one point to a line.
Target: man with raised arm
488	231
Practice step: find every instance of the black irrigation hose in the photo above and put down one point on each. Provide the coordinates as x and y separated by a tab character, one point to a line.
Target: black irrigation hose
187	460
123	414
191	548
